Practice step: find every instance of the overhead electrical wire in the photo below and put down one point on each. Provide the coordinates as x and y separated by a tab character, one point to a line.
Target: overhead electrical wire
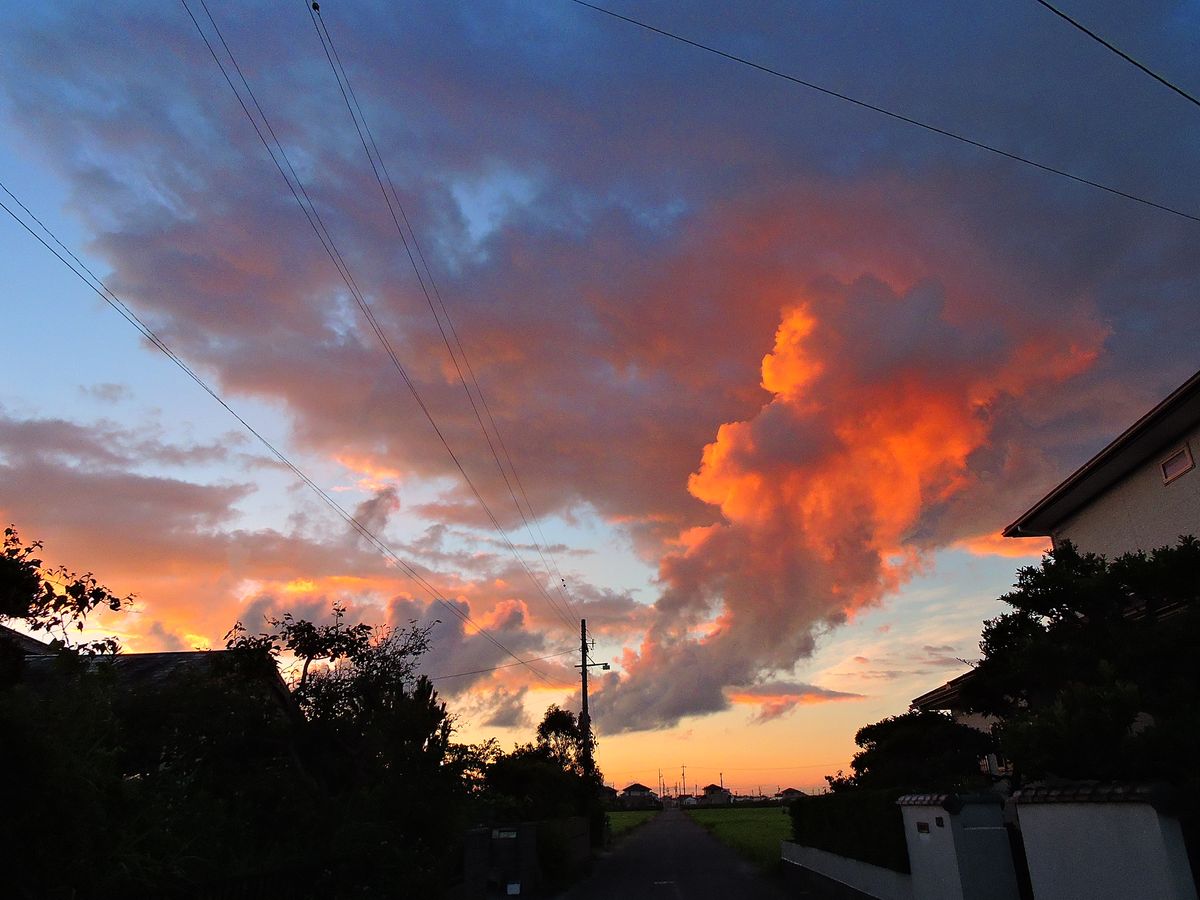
1121	53
391	198
97	285
900	117
314	218
505	666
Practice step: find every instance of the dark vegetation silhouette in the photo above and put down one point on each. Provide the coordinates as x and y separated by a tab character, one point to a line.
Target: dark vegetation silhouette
918	751
203	775
1093	674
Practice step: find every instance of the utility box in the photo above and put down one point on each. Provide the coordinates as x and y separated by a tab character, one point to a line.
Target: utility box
1095	841
958	847
501	859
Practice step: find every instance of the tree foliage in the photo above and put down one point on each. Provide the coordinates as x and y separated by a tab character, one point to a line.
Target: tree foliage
917	751
1094	672
55	600
203	784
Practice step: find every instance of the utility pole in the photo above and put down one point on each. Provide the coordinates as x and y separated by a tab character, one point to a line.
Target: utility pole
585	719
684	770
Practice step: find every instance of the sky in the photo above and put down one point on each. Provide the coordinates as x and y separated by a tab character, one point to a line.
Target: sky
752	377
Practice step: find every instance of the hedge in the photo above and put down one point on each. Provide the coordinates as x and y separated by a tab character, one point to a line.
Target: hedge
861	824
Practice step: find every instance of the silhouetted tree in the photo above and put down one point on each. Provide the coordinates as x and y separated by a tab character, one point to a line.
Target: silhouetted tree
57	601
918	751
1094	673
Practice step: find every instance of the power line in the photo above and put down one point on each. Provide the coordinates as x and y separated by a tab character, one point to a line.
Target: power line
1121	53
97	285
371	148
561	583
505	666
900	117
315	221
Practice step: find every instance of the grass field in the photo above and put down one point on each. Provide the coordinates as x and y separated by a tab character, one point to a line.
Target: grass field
754	833
624	821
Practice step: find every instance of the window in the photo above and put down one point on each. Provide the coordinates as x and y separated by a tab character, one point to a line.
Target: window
1177	464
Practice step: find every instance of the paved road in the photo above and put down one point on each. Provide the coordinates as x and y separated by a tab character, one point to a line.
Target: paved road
673	858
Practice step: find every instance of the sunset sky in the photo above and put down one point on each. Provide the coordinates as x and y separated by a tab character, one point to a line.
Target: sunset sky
773	370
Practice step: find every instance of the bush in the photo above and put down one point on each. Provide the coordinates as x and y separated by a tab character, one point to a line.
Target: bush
861	824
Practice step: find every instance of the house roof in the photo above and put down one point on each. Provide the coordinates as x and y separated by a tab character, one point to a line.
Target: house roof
709	788
1149	435
23	642
946	696
636	787
789	791
138	673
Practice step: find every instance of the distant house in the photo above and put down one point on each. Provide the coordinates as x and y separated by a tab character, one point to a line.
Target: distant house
787	795
715	795
638	796
1140	492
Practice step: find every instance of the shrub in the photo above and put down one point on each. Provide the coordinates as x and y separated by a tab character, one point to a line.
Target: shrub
861	824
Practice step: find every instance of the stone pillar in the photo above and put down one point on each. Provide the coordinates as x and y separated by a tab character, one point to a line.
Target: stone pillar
958	847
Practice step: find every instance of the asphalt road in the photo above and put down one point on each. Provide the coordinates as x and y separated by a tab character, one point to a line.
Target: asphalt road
673	858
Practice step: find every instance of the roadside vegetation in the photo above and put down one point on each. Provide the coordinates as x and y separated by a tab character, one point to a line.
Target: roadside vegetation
754	833
217	779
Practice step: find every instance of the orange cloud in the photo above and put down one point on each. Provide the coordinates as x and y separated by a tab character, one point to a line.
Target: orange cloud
881	420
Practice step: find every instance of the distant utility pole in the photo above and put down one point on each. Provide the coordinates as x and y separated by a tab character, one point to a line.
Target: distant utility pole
684	770
585	719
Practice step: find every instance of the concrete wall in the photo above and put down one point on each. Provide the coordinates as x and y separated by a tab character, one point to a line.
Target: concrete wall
1104	851
859	878
1140	512
959	855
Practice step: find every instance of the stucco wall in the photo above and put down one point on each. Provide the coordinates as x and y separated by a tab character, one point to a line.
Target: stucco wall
963	855
1104	851
1140	512
872	881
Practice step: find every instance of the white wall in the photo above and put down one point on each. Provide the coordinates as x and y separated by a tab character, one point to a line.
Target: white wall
966	857
1104	851
874	881
1140	512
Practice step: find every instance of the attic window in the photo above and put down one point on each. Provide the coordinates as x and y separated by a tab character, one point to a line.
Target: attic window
1177	464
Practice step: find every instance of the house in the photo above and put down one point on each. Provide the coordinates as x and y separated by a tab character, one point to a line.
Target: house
948	698
715	795
638	796
163	703
24	644
787	795
1140	492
